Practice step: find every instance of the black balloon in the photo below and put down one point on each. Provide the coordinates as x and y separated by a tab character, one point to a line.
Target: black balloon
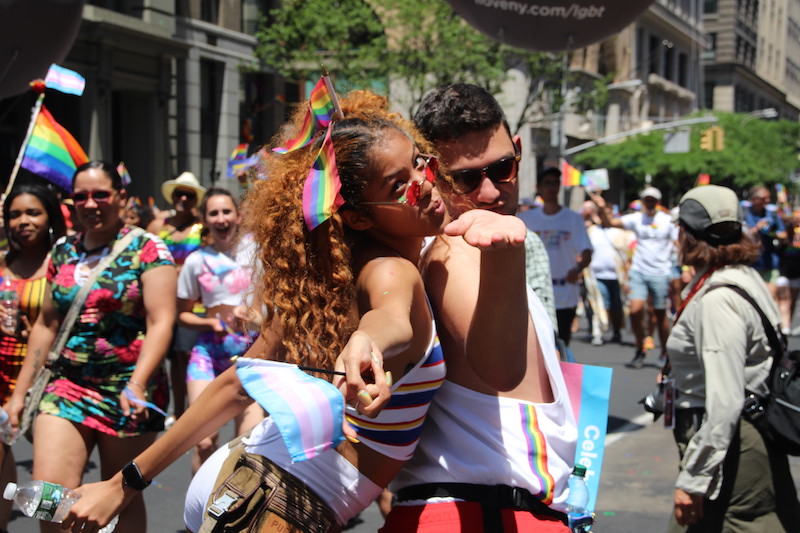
34	34
549	25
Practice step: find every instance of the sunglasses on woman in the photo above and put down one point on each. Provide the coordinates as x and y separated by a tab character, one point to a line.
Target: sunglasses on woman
430	166
99	197
501	171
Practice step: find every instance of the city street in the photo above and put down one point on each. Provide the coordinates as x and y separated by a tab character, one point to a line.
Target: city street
636	483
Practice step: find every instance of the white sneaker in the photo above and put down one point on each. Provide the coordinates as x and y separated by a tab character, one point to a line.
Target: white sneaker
598	340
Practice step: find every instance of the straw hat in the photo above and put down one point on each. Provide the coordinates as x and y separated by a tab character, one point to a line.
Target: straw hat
187	180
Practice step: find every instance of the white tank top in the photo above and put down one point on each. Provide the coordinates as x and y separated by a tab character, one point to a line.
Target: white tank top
471	437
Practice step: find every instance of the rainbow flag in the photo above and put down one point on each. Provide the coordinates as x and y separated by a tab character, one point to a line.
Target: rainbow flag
308	411
64	80
781	196
52	152
310	127
322	103
238	157
122	170
321	196
570	176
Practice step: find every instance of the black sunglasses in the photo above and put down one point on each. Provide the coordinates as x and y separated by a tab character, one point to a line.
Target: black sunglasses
190	195
99	197
501	171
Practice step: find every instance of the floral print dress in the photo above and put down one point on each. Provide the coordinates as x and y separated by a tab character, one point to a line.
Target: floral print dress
103	347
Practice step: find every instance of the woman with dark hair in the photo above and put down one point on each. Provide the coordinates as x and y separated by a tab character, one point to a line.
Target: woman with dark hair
731	478
33	222
110	368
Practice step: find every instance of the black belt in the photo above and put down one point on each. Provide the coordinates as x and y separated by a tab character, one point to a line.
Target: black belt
491	497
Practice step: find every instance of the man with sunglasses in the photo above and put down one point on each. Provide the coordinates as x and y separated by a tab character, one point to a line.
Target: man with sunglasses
477	467
567	243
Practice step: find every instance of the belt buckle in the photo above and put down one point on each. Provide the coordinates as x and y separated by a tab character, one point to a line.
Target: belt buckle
222	504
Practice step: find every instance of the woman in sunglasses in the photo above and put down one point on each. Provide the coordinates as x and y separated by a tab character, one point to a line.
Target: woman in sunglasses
33	221
109	372
360	262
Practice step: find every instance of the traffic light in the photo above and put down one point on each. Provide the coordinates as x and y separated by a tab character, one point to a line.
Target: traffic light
712	139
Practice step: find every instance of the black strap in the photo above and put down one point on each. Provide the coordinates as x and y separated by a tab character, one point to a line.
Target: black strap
491	497
772	336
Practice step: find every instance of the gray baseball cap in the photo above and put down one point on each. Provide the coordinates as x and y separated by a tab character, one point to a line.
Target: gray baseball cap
712	213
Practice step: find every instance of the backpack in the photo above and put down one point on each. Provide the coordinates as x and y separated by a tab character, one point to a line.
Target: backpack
777	416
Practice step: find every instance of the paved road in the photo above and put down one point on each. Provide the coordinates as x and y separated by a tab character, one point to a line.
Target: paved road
636	484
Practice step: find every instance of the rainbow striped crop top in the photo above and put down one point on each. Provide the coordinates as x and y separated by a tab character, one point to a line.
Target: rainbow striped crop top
396	430
181	249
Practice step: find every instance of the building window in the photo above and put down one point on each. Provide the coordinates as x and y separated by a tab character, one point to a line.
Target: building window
683	70
708	95
709	6
209	10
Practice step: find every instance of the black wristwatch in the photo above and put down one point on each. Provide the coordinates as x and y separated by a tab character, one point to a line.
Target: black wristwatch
133	477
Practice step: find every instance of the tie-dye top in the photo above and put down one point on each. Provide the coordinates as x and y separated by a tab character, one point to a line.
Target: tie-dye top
181	249
482	439
395	432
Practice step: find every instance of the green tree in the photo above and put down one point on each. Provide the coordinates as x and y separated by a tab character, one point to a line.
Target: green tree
756	151
423	43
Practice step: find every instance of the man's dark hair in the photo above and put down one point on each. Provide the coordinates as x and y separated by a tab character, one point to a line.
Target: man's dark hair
452	110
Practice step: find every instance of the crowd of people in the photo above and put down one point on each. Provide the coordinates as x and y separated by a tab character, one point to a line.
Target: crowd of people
405	298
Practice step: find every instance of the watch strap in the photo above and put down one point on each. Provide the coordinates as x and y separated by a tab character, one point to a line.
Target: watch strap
133	477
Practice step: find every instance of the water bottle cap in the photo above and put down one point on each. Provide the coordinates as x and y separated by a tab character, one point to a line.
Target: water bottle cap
10	491
579	470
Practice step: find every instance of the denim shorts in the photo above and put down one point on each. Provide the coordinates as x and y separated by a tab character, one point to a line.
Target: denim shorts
643	285
609	290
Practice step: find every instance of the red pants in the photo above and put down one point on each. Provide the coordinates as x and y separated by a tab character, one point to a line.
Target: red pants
463	517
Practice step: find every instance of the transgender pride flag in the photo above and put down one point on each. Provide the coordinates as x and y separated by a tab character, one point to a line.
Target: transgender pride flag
308	411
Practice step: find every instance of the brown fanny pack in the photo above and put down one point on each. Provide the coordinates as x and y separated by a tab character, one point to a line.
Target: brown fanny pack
255	495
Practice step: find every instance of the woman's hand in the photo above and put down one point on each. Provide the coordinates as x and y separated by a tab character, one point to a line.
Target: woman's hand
132	400
688	507
13	408
487	230
360	357
98	505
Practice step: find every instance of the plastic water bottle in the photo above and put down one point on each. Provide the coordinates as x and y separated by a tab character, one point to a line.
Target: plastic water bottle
7	434
8	296
580	519
46	501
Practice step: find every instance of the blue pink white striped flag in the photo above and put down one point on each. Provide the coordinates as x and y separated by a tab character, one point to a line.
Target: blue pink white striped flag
308	411
589	389
64	80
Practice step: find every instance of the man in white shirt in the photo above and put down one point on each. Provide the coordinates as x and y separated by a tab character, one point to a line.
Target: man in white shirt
650	269
568	247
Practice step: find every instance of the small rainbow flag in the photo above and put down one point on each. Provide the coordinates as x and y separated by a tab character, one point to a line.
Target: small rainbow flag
122	170
321	196
322	103
570	176
781	197
310	127
52	152
322	108
237	160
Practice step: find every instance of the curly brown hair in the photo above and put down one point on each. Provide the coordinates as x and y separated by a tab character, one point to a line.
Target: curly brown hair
305	279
